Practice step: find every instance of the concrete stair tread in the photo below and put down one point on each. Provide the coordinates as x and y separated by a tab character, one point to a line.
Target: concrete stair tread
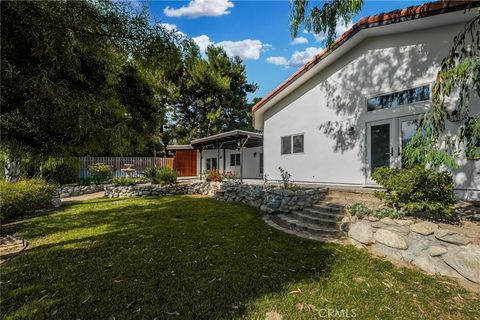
305	225
335	238
320	213
324	219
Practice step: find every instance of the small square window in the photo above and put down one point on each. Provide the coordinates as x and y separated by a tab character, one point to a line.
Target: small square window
287	145
298	144
235	159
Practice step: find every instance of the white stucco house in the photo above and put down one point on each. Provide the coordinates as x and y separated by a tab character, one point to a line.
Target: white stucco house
351	108
354	106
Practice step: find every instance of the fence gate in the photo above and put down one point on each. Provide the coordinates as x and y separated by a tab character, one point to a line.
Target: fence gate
140	164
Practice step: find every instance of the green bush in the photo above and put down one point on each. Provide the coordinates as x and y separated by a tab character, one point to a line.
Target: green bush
124	181
358	209
100	173
388	212
416	190
61	170
161	176
24	196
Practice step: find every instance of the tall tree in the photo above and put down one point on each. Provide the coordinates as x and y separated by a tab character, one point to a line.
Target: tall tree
212	95
458	78
66	69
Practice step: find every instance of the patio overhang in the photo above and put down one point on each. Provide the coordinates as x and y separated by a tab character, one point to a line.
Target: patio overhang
229	140
233	140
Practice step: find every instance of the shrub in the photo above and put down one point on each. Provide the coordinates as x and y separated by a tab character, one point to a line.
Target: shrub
416	190
358	209
61	170
161	176
287	182
100	173
388	212
214	176
24	196
124	181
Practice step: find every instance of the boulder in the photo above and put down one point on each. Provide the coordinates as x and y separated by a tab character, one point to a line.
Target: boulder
433	265
386	251
391	239
451	237
388	220
425	228
361	232
466	261
437	251
404	222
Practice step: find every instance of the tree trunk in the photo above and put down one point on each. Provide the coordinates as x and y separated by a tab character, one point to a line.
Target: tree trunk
12	169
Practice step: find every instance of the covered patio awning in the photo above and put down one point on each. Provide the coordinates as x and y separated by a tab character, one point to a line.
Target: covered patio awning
234	140
229	140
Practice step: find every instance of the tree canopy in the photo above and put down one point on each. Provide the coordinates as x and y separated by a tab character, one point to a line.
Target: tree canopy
100	77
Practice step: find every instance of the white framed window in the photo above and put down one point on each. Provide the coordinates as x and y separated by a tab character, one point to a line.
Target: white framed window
399	98
211	164
292	144
234	159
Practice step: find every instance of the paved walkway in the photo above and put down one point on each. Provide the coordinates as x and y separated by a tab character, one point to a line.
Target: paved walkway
82	197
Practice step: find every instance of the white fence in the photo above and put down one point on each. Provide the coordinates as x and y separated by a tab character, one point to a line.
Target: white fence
140	164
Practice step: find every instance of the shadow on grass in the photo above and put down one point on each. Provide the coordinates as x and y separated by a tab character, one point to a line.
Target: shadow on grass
154	258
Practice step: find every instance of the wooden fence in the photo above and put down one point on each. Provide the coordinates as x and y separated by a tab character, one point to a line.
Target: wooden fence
140	164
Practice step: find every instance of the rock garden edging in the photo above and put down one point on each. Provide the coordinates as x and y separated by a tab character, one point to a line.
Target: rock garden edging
266	199
424	244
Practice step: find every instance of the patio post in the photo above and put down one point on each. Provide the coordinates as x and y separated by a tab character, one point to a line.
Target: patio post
201	160
218	157
241	161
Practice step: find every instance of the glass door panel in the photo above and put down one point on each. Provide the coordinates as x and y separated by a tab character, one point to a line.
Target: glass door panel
408	127
380	146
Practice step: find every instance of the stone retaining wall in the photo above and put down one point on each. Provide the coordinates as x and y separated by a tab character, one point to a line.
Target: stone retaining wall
71	191
425	244
257	196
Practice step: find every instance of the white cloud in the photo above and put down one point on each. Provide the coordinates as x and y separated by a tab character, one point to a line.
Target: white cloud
172	28
201	8
299	40
244	49
298	58
202	42
279	61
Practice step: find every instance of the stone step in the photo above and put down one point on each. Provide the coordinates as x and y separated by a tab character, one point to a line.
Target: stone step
303	234
323	214
295	224
321	207
323	220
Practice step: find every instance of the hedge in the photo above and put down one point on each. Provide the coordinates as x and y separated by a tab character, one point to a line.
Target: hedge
25	196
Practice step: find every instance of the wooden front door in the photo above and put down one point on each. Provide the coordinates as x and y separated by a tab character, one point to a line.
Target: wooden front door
186	163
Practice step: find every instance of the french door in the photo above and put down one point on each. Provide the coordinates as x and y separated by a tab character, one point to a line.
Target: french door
386	140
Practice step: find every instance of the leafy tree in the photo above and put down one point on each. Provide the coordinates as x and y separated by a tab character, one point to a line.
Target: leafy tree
322	18
66	70
212	95
459	77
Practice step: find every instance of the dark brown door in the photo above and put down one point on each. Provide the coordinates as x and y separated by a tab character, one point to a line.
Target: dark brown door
186	163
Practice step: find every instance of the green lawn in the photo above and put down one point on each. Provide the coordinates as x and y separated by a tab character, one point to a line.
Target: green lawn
194	258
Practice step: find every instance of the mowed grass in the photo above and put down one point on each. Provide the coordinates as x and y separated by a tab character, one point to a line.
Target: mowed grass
189	257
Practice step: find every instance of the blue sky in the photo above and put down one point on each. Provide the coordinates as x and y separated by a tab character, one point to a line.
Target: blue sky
257	31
